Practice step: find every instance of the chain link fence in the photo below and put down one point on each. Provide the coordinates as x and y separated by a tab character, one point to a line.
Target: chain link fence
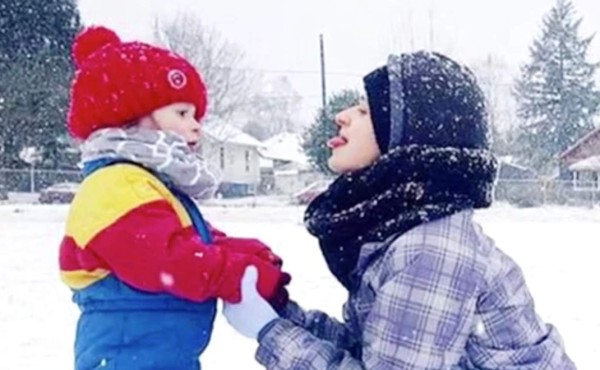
520	193
34	181
535	193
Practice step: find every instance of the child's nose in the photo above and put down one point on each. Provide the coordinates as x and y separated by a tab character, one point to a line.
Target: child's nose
196	126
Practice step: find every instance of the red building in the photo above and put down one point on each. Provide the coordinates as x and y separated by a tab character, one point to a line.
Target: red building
581	162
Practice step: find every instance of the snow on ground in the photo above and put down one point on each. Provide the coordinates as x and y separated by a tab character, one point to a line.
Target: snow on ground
556	247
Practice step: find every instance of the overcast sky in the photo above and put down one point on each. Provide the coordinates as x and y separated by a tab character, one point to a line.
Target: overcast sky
282	35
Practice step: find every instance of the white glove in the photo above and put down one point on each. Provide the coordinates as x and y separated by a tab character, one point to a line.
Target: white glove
253	313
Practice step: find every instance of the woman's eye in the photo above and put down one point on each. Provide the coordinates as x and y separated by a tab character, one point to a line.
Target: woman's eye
182	113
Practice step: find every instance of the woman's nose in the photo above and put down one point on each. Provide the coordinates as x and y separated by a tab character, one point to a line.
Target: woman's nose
342	119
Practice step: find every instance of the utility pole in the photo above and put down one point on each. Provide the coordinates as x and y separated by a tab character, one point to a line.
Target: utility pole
431	25
323	85
410	24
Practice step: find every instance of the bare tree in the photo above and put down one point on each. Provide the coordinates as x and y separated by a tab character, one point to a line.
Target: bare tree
496	80
222	66
274	110
221	63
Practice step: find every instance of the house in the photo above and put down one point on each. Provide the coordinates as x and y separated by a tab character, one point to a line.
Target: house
233	156
511	171
285	168
518	185
284	149
581	163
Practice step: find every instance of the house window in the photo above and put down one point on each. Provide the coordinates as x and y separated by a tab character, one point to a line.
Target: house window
586	181
247	161
222	157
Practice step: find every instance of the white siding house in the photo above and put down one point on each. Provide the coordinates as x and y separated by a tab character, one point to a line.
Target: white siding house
285	166
233	155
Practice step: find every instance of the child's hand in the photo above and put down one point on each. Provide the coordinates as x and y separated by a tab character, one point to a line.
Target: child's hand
244	245
252	247
276	293
271	281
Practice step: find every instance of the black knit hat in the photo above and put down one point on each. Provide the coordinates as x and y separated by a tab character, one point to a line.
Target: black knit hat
426	99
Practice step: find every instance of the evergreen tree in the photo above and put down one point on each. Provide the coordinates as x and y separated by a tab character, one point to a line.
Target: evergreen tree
323	129
35	74
556	93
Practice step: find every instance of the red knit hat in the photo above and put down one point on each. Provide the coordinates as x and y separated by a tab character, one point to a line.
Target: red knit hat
117	83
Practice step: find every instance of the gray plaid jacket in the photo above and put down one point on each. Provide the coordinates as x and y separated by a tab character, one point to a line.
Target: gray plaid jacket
441	296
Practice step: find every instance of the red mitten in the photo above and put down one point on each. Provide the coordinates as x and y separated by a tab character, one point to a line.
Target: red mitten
244	245
249	246
270	277
281	296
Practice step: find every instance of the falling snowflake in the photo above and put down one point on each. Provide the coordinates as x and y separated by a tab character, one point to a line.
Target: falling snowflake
480	328
167	279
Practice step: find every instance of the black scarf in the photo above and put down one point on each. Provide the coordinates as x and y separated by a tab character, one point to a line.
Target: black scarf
409	186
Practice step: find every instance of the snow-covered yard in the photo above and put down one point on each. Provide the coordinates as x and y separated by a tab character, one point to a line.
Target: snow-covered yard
556	247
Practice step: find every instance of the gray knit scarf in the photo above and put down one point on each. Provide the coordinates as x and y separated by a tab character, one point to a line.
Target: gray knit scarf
161	152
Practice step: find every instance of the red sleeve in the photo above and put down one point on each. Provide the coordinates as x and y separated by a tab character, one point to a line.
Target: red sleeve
216	233
148	249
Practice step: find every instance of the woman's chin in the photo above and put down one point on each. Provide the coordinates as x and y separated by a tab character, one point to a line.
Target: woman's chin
333	165
340	164
337	165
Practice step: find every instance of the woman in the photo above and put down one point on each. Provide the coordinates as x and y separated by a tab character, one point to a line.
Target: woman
427	288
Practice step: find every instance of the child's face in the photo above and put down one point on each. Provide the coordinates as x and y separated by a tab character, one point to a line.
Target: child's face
177	118
355	147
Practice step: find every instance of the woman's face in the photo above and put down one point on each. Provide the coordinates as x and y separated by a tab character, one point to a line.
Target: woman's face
355	147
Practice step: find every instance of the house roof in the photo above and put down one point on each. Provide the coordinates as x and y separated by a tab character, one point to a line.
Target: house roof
284	147
509	160
589	164
228	133
580	142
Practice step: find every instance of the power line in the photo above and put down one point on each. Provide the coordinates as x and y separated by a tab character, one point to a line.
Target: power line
289	71
280	98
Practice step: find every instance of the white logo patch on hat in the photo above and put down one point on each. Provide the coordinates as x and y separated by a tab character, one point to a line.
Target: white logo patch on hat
177	79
